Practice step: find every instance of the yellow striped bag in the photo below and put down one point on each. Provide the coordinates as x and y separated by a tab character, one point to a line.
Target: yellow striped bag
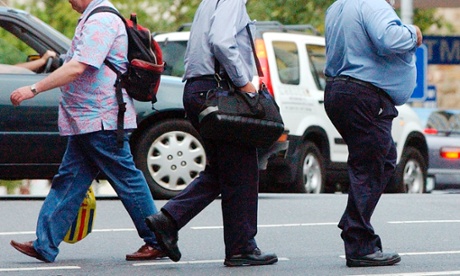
83	224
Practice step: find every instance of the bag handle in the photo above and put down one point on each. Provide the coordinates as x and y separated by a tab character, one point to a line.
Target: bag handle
256	59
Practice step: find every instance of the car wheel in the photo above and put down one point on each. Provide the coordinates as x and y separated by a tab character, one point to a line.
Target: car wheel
410	174
171	155
310	175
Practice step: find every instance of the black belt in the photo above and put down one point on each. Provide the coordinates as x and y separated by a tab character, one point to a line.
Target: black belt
225	80
209	77
351	79
360	82
204	77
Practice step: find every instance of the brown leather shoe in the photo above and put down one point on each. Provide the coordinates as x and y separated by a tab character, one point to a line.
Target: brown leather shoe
146	252
28	249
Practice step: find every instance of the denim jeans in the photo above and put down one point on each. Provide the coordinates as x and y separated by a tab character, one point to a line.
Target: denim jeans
87	155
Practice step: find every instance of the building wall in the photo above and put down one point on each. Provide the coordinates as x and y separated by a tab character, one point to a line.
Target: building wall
446	78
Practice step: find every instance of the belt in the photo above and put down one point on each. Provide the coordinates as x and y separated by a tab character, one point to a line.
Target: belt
360	82
225	80
204	77
351	79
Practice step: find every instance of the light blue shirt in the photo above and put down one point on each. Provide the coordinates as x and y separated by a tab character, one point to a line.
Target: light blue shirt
220	32
365	39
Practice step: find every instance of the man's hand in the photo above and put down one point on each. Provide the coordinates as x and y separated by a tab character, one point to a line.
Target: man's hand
248	88
48	54
21	94
419	36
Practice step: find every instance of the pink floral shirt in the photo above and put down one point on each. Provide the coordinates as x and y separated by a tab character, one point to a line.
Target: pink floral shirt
89	104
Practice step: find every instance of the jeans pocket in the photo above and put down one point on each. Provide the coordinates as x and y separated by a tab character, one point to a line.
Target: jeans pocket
387	108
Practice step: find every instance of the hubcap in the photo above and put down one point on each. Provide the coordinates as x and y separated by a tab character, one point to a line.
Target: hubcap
413	177
174	159
312	174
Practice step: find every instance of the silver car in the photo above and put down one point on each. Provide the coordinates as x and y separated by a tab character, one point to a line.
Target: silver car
442	131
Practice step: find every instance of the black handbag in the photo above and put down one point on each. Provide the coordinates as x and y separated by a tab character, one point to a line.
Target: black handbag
246	118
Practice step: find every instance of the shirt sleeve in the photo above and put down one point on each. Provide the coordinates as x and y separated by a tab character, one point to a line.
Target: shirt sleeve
97	37
223	38
388	33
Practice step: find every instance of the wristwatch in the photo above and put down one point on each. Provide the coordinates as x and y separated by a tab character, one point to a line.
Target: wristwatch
34	90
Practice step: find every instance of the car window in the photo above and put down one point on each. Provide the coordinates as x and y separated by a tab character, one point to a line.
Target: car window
13	50
173	55
317	59
444	120
287	61
454	121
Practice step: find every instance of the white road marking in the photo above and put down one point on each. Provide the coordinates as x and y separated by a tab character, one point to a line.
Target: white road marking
434	273
260	226
423	253
430	253
16	269
188	262
270	225
93	231
423	221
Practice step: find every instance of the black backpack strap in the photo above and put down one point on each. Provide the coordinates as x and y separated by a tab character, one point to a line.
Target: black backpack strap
118	91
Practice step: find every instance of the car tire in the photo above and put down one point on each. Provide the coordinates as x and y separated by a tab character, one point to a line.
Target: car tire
310	176
410	174
171	155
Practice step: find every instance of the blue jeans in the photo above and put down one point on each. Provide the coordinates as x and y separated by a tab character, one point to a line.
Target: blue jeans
87	155
363	118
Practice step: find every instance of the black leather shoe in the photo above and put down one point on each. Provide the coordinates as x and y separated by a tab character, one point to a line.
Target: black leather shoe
166	234
256	257
375	259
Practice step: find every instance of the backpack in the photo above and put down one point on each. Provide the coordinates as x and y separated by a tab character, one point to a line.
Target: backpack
142	79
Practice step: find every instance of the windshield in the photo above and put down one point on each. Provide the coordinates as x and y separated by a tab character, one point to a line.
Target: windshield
173	54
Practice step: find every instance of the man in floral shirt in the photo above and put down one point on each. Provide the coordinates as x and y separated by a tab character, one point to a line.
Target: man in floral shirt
88	116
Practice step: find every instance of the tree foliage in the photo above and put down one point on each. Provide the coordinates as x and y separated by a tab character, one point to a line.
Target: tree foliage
291	11
168	15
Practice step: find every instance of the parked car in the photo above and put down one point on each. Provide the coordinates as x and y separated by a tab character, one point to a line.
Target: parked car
165	146
293	61
442	131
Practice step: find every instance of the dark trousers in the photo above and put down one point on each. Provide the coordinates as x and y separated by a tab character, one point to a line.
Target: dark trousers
363	116
231	171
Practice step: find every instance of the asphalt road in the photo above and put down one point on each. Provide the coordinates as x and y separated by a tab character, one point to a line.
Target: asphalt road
301	229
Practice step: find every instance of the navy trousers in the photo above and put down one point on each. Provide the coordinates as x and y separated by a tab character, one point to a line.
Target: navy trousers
231	171
363	117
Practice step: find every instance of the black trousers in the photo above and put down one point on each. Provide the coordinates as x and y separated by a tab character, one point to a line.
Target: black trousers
363	116
231	171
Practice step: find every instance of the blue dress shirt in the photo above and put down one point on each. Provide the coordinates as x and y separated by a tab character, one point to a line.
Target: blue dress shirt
219	31
365	39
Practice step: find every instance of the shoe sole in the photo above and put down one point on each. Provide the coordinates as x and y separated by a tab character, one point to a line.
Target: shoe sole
243	262
174	256
365	263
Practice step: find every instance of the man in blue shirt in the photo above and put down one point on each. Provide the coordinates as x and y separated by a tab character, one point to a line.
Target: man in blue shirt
218	33
370	68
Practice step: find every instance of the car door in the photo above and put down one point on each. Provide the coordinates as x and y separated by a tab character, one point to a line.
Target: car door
296	64
28	133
